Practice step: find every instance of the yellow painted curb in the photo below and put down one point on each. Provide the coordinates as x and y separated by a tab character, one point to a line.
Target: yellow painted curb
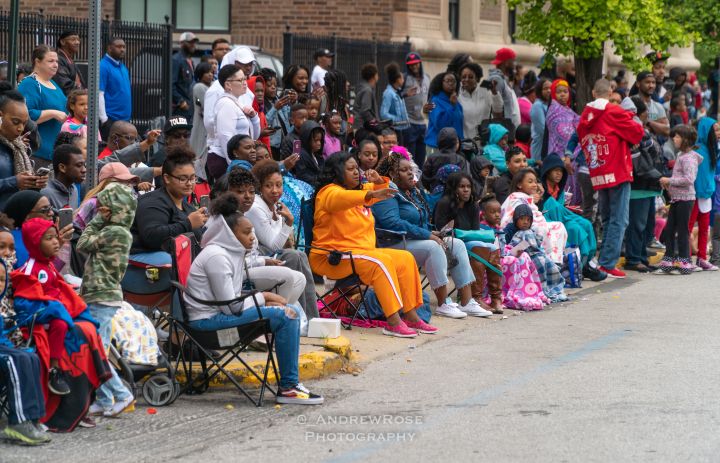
654	260
311	365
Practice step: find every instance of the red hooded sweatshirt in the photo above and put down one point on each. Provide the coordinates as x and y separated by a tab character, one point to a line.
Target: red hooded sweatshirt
606	132
44	272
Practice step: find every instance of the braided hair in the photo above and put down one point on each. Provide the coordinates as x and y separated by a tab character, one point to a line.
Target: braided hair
389	167
336	92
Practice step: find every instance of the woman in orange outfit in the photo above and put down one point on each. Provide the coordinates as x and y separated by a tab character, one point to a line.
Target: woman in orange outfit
343	221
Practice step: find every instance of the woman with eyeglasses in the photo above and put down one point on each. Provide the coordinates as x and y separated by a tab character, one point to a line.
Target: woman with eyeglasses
164	213
232	117
30	204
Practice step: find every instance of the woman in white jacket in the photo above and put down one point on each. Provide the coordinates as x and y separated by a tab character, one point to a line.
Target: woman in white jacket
232	115
217	274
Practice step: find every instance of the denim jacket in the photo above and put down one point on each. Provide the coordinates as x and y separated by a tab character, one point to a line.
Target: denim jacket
393	108
398	214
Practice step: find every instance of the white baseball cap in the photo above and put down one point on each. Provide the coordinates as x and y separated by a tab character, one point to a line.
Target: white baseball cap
188	37
244	55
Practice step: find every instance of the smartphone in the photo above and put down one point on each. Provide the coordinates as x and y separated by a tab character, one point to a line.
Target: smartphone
486	84
278	206
276	128
205	201
65	217
43	172
297	147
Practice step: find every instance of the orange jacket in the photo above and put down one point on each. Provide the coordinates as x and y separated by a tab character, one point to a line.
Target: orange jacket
343	219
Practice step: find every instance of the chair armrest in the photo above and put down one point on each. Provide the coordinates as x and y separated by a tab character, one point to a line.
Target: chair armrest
243	295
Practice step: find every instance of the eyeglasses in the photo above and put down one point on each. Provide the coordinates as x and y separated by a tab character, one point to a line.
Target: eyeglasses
126	137
184	179
45	210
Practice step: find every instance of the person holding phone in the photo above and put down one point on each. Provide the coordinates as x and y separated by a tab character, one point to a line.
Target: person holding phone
479	100
69	169
448	111
16	169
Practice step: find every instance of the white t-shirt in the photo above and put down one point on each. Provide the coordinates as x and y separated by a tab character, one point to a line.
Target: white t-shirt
318	77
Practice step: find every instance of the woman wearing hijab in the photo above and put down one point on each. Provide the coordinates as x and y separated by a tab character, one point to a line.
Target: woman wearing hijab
561	122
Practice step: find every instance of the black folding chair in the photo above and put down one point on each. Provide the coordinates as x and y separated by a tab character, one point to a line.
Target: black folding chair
232	342
345	287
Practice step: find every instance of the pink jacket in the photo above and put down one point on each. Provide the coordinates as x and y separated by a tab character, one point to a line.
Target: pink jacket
682	182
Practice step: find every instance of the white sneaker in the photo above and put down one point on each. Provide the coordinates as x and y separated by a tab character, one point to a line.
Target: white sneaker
119	407
474	309
450	310
95	410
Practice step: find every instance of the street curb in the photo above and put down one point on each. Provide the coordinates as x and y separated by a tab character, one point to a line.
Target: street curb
335	355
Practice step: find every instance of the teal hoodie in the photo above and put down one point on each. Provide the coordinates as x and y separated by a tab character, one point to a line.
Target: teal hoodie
492	150
705	181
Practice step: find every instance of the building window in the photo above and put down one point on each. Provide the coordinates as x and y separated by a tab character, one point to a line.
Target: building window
193	15
454	18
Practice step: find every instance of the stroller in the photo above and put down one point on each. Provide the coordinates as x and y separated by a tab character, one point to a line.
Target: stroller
140	363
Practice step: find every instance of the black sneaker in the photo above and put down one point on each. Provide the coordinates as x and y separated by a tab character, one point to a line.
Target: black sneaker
591	273
57	383
298	395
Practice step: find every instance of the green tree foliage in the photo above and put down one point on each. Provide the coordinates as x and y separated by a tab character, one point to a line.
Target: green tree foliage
703	18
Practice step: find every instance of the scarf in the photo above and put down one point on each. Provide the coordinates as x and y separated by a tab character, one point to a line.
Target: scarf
21	159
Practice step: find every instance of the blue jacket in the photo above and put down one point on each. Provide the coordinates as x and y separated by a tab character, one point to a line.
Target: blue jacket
393	108
182	83
444	115
398	214
492	150
705	181
115	84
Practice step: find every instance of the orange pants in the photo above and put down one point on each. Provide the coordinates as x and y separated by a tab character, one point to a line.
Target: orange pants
393	274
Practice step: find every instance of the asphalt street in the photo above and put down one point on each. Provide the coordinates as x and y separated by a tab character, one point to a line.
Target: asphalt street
626	372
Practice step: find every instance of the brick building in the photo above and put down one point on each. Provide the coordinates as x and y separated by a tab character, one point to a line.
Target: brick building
437	28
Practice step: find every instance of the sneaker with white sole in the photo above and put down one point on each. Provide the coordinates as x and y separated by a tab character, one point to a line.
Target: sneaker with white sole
474	309
450	310
96	410
298	395
401	330
119	407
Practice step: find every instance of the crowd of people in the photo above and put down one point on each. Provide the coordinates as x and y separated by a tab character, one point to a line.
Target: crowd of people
501	184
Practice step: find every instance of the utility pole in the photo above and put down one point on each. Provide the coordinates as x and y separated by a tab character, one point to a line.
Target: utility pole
94	51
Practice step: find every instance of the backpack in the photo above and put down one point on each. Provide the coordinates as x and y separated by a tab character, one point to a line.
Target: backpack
572	267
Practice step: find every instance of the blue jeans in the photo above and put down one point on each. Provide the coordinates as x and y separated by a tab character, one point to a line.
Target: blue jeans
636	232
614	208
285	329
430	256
415	142
113	387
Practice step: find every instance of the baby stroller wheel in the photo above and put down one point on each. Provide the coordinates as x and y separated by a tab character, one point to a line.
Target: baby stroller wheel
159	390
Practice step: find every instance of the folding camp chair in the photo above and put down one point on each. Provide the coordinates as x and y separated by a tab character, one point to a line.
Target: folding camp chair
345	287
231	341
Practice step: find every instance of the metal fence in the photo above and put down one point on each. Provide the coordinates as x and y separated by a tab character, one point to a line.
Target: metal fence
350	54
148	55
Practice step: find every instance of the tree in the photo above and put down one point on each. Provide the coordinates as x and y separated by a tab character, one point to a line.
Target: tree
703	18
580	28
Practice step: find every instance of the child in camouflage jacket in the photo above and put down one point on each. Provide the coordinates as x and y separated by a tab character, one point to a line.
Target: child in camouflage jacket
107	240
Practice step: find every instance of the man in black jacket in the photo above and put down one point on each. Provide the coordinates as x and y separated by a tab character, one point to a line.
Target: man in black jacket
366	107
182	76
68	77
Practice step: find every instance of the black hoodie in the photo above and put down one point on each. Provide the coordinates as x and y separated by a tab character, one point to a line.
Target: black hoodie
477	164
447	144
309	165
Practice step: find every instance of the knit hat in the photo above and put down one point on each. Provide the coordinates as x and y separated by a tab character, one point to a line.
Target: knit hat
20	204
523	210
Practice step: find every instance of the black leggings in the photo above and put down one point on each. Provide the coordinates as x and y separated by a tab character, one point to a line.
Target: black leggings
676	229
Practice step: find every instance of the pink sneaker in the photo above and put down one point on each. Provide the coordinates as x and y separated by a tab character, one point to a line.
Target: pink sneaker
422	327
705	265
400	330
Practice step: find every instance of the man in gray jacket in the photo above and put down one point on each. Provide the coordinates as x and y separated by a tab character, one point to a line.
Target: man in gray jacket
503	73
366	107
415	94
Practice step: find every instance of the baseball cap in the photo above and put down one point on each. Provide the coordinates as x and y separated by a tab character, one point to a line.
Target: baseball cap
244	55
176	122
502	55
323	52
413	58
188	37
118	171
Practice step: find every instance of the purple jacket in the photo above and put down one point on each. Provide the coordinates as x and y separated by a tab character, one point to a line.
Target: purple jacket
682	182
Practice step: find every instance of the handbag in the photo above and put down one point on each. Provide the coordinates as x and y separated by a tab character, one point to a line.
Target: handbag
486	236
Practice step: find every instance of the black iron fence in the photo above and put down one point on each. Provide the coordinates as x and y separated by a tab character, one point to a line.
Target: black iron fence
350	54
148	55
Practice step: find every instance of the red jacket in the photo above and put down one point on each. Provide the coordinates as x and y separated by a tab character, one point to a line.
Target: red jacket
606	132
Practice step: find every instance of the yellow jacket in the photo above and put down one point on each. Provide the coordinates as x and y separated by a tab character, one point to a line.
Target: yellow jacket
343	219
